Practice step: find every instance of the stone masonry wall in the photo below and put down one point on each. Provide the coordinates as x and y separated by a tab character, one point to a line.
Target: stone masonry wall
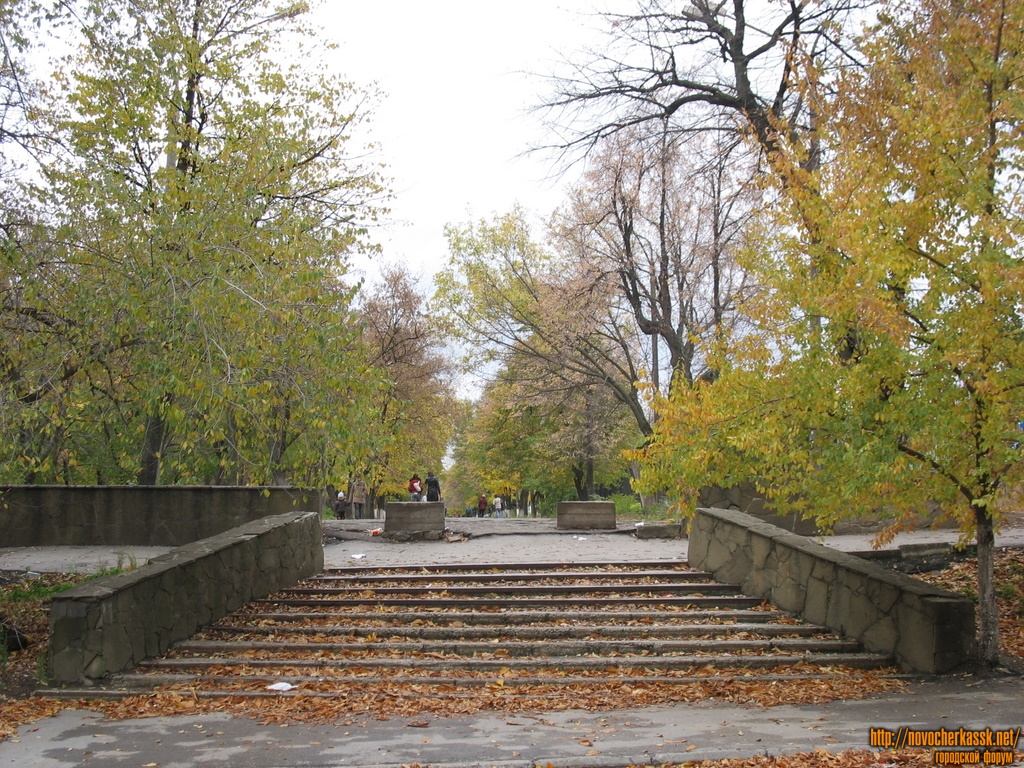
925	628
111	623
168	516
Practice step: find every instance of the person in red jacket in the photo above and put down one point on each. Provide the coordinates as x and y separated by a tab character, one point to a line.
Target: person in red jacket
416	488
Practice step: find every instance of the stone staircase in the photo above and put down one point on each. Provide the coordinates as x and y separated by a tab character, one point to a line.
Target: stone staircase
442	629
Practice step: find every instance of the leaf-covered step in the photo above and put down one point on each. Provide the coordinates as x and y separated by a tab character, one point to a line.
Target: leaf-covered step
317	666
465	631
547	648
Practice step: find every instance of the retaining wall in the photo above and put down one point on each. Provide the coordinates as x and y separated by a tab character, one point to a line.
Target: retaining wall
168	516
111	623
925	628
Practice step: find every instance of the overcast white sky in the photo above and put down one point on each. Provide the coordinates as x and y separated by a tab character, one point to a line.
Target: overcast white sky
455	117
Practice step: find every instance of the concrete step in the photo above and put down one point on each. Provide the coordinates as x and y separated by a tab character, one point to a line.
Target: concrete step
564	604
441	684
550	568
545	649
498	663
511	591
440	631
254	614
467	630
510	576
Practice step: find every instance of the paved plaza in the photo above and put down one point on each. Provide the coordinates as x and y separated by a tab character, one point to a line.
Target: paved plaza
566	739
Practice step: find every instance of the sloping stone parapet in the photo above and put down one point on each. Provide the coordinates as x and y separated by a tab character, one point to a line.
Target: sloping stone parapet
586	515
927	629
112	623
414	517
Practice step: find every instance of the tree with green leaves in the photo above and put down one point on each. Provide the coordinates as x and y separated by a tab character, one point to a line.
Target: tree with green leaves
887	369
504	296
187	316
555	442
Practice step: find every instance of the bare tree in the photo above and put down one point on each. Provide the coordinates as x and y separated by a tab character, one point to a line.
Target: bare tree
662	224
704	65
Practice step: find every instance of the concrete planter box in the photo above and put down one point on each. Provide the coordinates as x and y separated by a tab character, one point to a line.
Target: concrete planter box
586	515
414	517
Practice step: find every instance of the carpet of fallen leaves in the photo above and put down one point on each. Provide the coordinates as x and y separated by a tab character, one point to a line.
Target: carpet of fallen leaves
962	578
348	704
854	758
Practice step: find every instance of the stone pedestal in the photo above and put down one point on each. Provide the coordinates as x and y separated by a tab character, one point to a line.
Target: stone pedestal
599	515
414	517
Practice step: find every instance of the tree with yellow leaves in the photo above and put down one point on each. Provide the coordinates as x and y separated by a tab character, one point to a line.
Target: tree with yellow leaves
887	368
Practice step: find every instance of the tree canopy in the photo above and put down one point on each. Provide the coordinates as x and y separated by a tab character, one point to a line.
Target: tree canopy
886	368
178	310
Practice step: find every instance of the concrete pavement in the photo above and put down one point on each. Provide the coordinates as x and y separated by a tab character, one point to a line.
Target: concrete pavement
489	540
568	739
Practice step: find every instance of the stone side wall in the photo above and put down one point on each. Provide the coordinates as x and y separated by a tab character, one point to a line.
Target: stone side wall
167	516
745	497
111	623
592	515
925	628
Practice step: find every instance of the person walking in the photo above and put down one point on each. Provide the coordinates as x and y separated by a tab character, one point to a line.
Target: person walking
481	506
358	491
497	506
340	506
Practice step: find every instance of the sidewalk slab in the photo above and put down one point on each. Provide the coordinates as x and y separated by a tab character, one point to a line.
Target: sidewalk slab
567	739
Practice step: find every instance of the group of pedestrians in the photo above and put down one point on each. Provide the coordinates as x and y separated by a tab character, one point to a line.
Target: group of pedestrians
482	505
419	490
351	504
354	503
428	490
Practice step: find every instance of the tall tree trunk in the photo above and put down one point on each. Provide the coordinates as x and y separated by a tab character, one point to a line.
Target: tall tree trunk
579	476
228	462
988	618
278	445
152	450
